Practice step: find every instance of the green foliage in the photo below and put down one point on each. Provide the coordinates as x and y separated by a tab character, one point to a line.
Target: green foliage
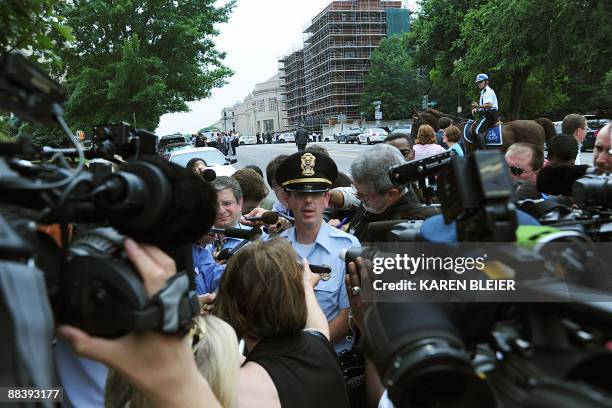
394	80
140	58
540	56
34	26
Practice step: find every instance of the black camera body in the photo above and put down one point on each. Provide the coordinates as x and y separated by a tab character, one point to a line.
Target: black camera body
498	354
62	231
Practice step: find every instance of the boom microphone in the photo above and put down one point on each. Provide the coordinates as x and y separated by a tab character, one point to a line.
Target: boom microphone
558	180
269	217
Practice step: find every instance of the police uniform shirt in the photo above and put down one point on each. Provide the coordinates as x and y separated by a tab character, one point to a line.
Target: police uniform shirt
487	95
331	294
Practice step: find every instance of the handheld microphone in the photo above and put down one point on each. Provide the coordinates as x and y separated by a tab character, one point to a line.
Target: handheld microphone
236	232
209	175
269	217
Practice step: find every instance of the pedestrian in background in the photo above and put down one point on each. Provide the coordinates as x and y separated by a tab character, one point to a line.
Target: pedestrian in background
301	138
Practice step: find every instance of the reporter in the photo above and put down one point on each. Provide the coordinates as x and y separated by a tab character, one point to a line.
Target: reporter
269	300
162	367
215	348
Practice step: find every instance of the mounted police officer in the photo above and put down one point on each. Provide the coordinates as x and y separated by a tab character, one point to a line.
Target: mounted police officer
488	106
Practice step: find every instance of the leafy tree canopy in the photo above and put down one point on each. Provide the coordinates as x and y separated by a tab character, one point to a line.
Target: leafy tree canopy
393	80
140	58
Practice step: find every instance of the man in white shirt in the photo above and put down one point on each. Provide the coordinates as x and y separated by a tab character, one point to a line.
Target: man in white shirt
488	106
575	125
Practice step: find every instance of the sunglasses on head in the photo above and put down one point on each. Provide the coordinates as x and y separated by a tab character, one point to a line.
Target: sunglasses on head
517	171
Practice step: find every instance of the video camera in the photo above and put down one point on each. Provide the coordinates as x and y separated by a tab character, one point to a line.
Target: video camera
87	279
451	352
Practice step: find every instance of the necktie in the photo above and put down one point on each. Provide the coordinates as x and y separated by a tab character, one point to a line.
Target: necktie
218	245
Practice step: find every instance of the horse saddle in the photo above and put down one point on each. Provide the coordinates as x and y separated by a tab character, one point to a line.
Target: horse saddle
494	133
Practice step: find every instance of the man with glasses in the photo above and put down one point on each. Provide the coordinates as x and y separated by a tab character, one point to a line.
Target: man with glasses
602	152
208	269
524	161
374	196
575	125
307	178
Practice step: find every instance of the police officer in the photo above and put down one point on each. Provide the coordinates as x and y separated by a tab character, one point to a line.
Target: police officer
307	177
488	105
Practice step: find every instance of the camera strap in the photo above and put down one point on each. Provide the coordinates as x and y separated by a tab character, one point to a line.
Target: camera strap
171	310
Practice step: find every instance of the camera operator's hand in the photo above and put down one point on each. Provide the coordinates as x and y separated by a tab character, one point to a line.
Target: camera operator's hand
356	276
161	366
255	212
207	301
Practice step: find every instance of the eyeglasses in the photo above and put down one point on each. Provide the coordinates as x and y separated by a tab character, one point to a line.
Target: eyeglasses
517	171
227	204
363	198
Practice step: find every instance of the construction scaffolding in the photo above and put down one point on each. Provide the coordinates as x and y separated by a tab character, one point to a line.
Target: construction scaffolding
293	90
335	60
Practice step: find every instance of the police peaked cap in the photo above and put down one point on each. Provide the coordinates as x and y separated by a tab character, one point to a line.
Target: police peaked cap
307	172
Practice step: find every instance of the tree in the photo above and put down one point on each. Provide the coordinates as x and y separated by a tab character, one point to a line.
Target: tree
30	25
140	58
394	80
555	54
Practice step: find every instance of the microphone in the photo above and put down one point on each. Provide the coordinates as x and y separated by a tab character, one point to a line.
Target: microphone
209	175
269	217
236	232
154	201
558	180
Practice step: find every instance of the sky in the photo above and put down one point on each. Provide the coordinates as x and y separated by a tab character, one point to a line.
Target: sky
257	34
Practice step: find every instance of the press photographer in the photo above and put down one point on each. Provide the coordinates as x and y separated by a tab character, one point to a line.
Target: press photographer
88	280
494	354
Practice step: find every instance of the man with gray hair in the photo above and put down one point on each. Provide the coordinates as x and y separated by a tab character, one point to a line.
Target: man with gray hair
208	268
374	196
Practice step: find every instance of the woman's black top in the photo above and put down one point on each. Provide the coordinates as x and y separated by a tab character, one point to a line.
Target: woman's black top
304	370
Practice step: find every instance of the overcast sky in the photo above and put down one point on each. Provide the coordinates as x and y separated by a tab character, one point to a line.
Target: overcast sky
257	34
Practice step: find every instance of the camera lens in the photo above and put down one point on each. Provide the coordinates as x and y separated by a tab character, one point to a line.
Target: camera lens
421	358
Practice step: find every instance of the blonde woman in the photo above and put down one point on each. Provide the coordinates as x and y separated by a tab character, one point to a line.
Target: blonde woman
215	348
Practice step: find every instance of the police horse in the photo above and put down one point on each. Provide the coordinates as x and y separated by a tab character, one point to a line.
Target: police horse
499	137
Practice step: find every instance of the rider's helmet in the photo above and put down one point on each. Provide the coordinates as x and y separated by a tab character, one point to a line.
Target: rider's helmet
481	77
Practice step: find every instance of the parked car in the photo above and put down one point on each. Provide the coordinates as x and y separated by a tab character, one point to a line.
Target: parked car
349	135
211	156
174	146
372	135
287	137
246	140
168	140
404	129
588	144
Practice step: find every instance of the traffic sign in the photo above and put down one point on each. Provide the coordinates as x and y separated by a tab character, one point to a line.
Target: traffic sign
378	115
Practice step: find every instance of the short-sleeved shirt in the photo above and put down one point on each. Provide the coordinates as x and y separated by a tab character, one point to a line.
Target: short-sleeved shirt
457	149
331	294
207	271
487	95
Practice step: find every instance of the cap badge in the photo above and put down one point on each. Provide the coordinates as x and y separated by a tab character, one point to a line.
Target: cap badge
308	164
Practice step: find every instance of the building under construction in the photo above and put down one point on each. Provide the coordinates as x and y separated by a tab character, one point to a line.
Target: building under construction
324	82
